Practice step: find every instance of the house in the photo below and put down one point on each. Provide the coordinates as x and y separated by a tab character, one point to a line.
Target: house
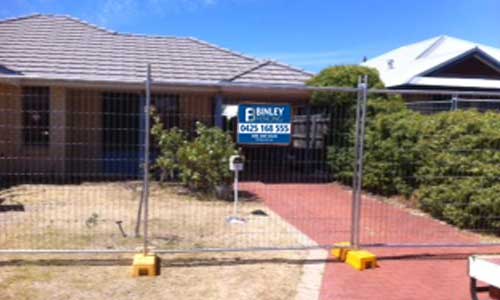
71	93
442	62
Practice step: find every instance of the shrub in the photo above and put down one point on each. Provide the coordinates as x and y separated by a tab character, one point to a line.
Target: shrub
168	142
341	154
203	162
342	76
391	155
459	179
460	144
342	107
449	162
468	203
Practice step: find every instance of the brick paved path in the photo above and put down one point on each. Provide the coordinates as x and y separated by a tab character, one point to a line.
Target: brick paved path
322	211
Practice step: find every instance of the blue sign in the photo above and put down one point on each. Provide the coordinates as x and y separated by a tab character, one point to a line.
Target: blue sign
264	124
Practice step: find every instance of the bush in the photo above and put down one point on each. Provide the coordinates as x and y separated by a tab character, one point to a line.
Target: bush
468	203
342	76
202	164
342	108
459	180
449	162
460	144
341	155
391	154
168	142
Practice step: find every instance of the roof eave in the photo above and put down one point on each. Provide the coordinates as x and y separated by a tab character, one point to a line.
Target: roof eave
467	83
188	86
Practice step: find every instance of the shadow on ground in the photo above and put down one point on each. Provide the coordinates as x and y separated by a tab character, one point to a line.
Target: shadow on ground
165	263
206	262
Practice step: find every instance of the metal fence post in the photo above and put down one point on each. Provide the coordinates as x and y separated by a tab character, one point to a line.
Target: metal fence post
454	103
145	188
358	163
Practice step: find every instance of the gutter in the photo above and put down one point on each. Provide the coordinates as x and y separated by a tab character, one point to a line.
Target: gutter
228	87
182	86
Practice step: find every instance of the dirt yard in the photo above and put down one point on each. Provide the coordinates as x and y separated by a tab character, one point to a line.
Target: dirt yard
207	276
89	216
104	216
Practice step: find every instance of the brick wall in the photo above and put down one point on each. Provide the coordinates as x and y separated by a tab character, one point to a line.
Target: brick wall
18	158
84	132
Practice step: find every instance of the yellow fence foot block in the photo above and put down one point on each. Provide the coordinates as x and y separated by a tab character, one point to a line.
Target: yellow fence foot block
145	265
361	259
340	250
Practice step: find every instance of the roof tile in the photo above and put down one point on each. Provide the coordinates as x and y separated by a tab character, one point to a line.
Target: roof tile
48	46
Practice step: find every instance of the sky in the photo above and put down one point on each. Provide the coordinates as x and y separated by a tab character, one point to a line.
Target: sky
310	34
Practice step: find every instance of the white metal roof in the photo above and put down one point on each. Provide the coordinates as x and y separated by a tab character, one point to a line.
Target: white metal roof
407	65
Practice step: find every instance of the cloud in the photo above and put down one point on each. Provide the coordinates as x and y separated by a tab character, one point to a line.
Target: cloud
178	6
118	11
113	11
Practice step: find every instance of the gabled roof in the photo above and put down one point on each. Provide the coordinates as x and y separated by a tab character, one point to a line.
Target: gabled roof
410	65
62	47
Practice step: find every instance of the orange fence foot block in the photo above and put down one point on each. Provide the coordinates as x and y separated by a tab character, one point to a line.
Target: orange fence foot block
145	265
340	250
361	260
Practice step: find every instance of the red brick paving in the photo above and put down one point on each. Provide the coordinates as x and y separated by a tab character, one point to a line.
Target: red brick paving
323	211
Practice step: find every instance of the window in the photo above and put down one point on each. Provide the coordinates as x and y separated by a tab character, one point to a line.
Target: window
167	107
121	122
36	115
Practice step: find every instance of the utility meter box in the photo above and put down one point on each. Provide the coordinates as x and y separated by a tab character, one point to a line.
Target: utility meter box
236	163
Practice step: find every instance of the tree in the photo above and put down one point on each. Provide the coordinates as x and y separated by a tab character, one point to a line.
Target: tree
341	107
342	76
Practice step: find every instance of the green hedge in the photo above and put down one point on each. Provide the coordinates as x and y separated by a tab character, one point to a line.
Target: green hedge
341	154
392	157
448	162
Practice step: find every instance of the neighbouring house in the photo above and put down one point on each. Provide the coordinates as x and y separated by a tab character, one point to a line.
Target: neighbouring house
71	93
440	63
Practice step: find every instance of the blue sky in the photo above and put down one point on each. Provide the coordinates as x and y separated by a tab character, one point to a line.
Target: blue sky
309	34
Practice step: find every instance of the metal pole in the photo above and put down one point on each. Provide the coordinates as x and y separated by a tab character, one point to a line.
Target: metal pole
145	188
249	249
358	164
235	193
454	103
355	168
139	221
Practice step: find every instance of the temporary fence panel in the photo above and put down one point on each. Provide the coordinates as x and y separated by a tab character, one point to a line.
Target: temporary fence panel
69	168
74	174
285	189
428	106
431	175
